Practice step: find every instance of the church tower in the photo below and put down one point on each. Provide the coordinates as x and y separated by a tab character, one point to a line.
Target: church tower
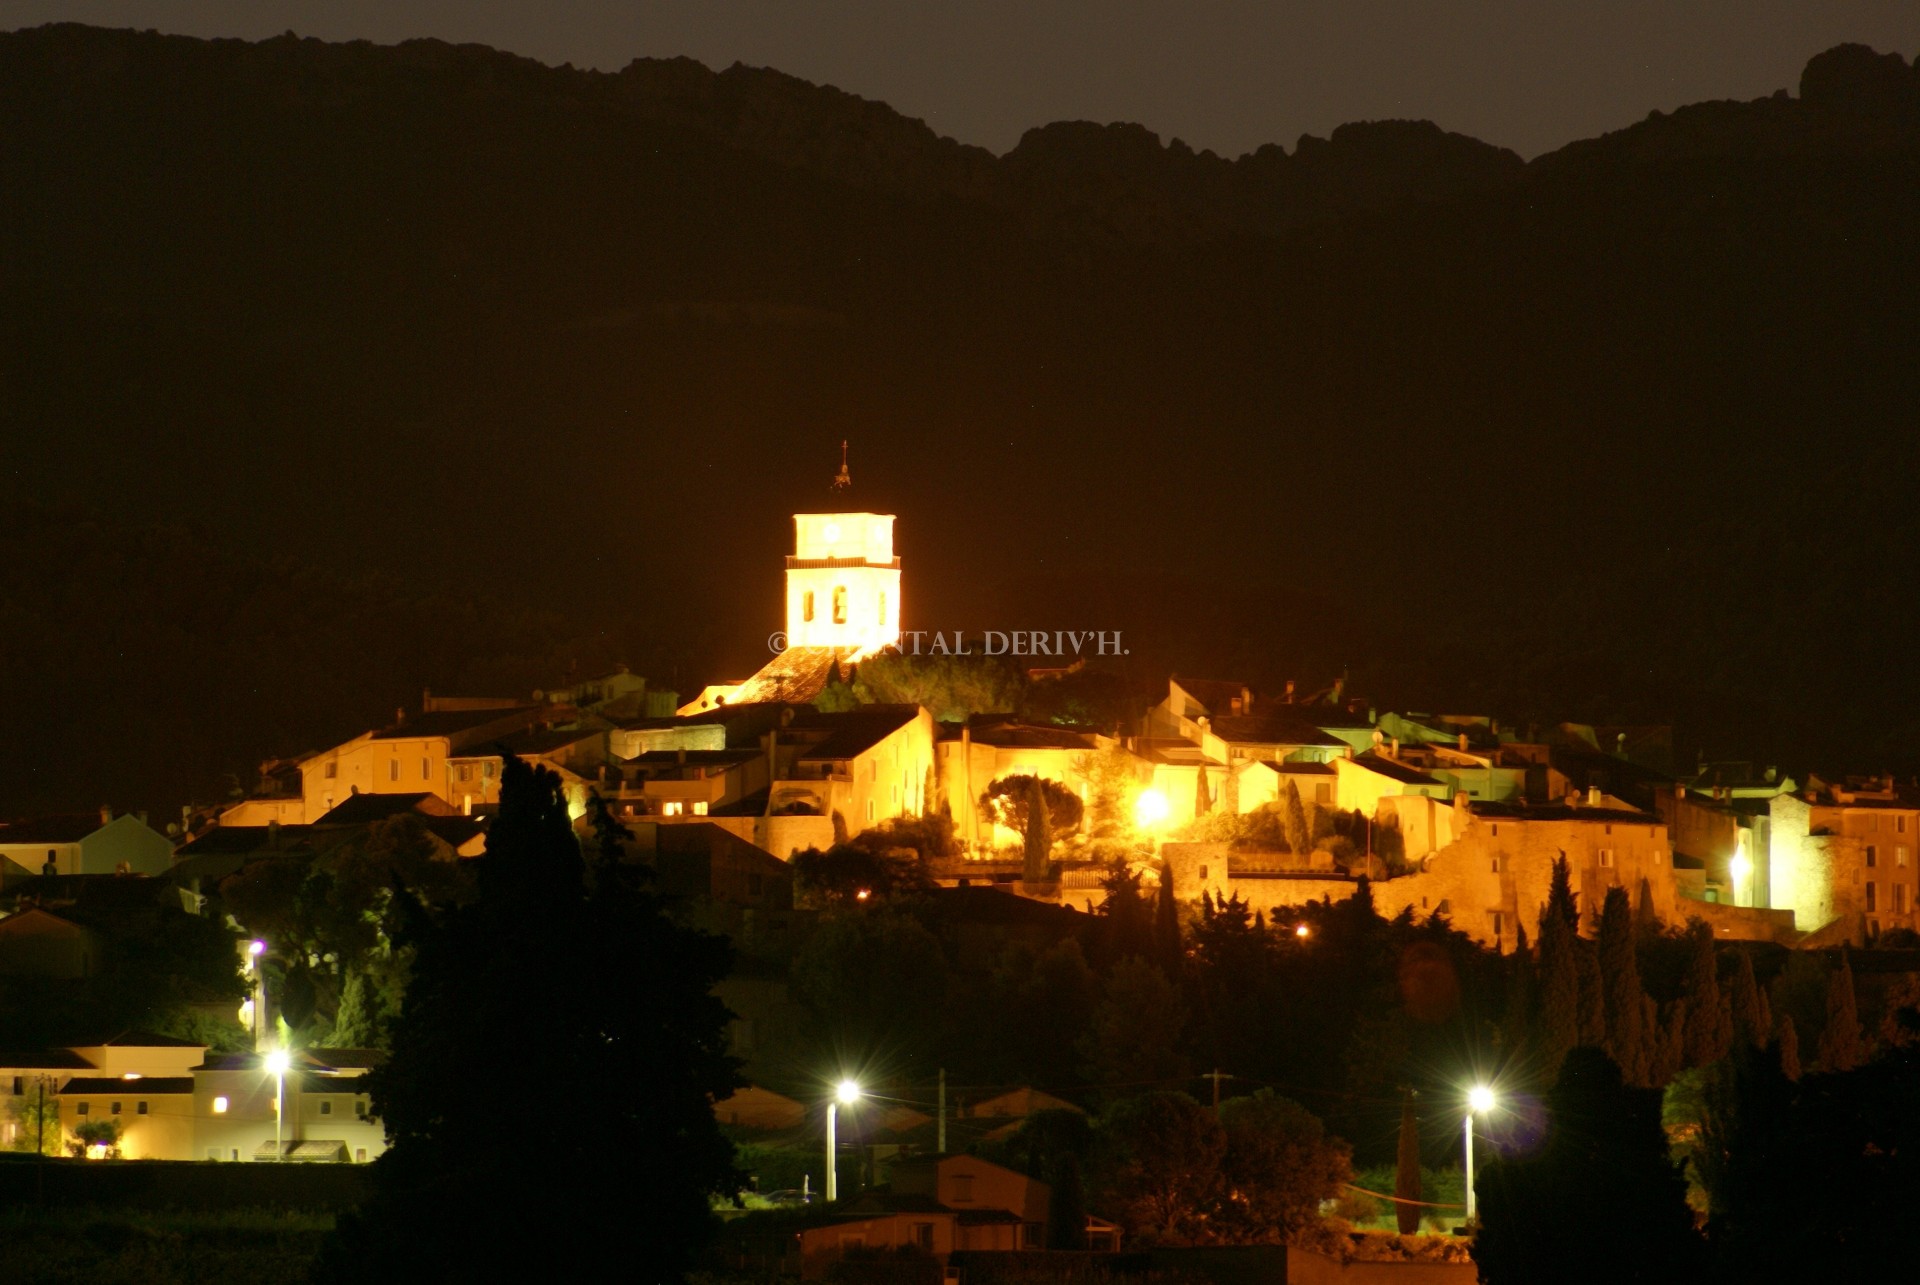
843	582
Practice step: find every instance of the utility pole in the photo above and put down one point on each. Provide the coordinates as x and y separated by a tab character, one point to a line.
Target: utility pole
940	1144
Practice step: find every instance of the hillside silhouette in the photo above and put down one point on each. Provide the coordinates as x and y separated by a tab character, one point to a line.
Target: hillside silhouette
1622	433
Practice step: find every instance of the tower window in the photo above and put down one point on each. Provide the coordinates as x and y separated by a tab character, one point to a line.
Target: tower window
806	606
839	604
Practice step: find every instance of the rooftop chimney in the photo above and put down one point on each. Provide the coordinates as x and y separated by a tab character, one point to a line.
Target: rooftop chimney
1593	796
1463	742
106	814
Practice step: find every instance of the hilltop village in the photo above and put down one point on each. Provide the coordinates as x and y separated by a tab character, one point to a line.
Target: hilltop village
1004	865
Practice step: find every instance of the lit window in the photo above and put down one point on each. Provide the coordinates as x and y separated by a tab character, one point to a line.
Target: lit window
806	606
1900	856
839	604
699	807
220	1106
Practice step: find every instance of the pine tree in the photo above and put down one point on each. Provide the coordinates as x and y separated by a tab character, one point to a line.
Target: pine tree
1039	835
1406	1174
1294	820
1841	1045
1202	801
1620	976
1166	925
1709	1030
1747	1005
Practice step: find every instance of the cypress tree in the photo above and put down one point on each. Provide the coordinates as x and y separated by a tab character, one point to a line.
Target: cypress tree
1202	801
1841	1046
588	968
1067	1212
1561	903
1593	995
1406	1174
1039	836
1294	820
1786	1040
1166	925
1673	1040
1620	977
1709	1029
1559	1027
1646	921
1523	992
1747	1005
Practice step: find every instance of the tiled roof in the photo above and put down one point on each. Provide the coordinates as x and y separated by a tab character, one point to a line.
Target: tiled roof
240	840
1009	734
145	1086
796	676
363	808
1270	729
451	722
44	1060
59	829
143	1040
1394	771
854	732
1296	769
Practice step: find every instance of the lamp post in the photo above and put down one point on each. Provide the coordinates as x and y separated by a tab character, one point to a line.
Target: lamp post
848	1092
255	950
1479	1102
277	1062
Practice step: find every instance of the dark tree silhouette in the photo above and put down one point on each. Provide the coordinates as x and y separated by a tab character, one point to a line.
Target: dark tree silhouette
1601	1202
1406	1173
582	971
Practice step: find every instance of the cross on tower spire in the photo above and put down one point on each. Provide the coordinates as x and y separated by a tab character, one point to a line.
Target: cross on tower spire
843	480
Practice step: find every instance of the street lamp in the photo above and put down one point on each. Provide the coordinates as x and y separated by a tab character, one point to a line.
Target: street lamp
848	1092
277	1062
1740	869
1479	1102
1150	809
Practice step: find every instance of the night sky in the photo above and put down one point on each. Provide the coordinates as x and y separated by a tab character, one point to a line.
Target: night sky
1222	74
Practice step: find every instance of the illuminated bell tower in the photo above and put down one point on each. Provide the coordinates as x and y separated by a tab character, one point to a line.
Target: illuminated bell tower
843	580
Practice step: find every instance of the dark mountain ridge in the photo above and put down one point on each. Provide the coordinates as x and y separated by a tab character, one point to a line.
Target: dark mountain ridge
1623	433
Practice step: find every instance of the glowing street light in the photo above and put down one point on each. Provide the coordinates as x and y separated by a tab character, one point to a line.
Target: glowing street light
1150	809
1740	869
1302	931
848	1092
1479	1102
277	1062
